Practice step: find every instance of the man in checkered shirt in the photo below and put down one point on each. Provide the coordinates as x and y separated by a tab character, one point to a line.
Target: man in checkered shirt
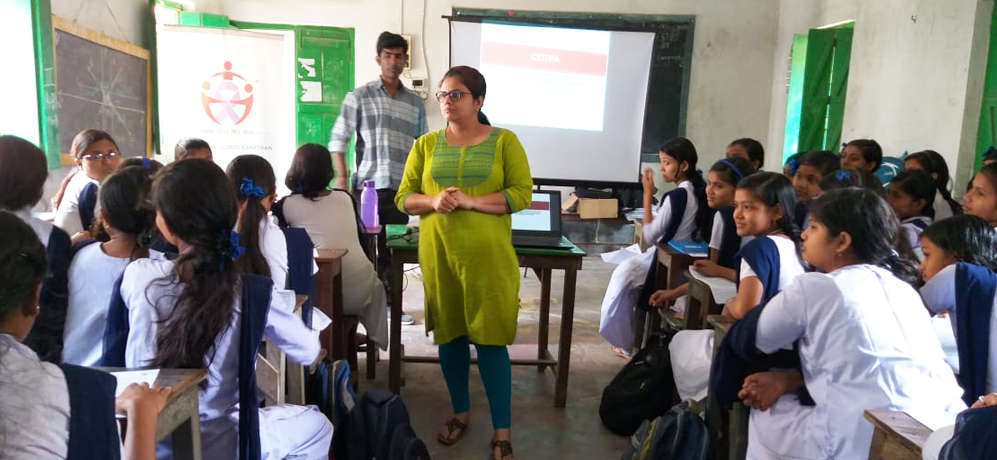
386	117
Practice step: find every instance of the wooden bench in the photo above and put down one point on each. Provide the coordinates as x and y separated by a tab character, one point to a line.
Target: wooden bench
896	435
734	434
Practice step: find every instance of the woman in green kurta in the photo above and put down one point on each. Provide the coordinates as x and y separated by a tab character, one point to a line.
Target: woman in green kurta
463	182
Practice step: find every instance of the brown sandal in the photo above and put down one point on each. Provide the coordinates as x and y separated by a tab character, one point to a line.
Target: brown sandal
504	447
453	425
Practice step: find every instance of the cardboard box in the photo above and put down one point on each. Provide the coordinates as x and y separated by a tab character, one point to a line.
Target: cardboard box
592	208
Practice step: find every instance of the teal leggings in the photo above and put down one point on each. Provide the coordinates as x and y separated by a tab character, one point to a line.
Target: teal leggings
496	373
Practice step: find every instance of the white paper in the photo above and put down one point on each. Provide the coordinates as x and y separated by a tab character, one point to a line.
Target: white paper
721	288
311	91
320	320
932	419
126	378
620	256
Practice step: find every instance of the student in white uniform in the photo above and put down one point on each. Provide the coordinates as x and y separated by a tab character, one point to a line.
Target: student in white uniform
981	199
97	155
808	170
255	187
911	194
932	162
330	219
960	260
23	170
123	232
34	396
186	314
764	203
682	215
862	334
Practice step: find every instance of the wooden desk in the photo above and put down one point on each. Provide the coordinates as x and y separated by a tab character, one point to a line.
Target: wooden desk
404	249
736	438
329	299
896	435
180	415
701	303
671	266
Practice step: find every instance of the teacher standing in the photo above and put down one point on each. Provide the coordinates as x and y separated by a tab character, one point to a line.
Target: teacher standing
465	181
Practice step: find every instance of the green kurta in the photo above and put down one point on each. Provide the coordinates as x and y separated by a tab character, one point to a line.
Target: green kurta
469	269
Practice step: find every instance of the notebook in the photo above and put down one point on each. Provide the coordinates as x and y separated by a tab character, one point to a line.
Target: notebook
539	225
692	248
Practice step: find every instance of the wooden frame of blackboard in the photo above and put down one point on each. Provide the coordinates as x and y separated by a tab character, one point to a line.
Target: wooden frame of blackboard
617	22
66	26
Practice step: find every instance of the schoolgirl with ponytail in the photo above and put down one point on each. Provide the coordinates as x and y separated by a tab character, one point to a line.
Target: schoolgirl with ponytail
682	215
255	186
193	312
863	336
123	232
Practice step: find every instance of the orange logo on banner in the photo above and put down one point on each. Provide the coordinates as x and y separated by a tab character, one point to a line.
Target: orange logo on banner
227	97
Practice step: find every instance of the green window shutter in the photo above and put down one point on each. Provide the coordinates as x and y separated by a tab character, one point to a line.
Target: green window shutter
48	121
816	87
838	87
324	75
986	135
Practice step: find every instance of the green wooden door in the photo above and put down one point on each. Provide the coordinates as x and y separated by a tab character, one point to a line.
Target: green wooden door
822	96
837	88
986	135
324	75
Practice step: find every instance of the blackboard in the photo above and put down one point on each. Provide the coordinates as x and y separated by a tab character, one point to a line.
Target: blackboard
102	83
671	56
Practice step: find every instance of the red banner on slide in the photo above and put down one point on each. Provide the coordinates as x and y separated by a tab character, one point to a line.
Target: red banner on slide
539	205
535	57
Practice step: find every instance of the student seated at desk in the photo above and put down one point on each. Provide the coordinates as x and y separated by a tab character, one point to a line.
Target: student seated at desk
808	170
933	162
330	218
35	395
255	186
682	215
911	194
123	231
97	156
23	170
863	338
769	262
960	258
190	312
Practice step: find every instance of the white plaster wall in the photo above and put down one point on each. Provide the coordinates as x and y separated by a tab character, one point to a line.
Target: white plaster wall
913	84
729	94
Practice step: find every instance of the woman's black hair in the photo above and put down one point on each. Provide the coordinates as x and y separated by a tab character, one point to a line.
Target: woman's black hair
990	154
184	147
124	200
933	162
84	139
874	228
149	164
756	153
967	238
253	181
22	263
919	185
990	172
682	150
851	177
733	169
311	170
23	170
826	162
775	190
198	205
871	151
474	81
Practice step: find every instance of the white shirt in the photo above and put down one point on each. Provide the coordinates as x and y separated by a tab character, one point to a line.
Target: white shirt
150	299
92	274
656	229
865	342
939	296
789	262
42	229
913	233
273	245
67	217
34	401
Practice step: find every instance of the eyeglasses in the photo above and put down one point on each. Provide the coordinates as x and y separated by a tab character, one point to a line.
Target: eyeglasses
100	156
454	95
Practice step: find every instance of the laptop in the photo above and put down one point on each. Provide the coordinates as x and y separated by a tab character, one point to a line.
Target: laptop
539	225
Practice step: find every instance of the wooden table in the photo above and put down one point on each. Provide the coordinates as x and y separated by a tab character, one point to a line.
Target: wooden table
329	299
701	303
180	415
737	428
404	249
671	266
896	435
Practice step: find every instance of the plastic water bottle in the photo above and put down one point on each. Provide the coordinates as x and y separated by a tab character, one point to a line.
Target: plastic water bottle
368	205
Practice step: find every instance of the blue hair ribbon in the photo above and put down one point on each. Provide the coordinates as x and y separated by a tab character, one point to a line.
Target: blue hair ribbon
844	144
228	247
989	150
249	189
793	165
843	175
737	171
146	163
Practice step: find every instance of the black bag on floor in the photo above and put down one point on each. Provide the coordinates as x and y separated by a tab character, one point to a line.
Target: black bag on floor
680	434
378	427
641	391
